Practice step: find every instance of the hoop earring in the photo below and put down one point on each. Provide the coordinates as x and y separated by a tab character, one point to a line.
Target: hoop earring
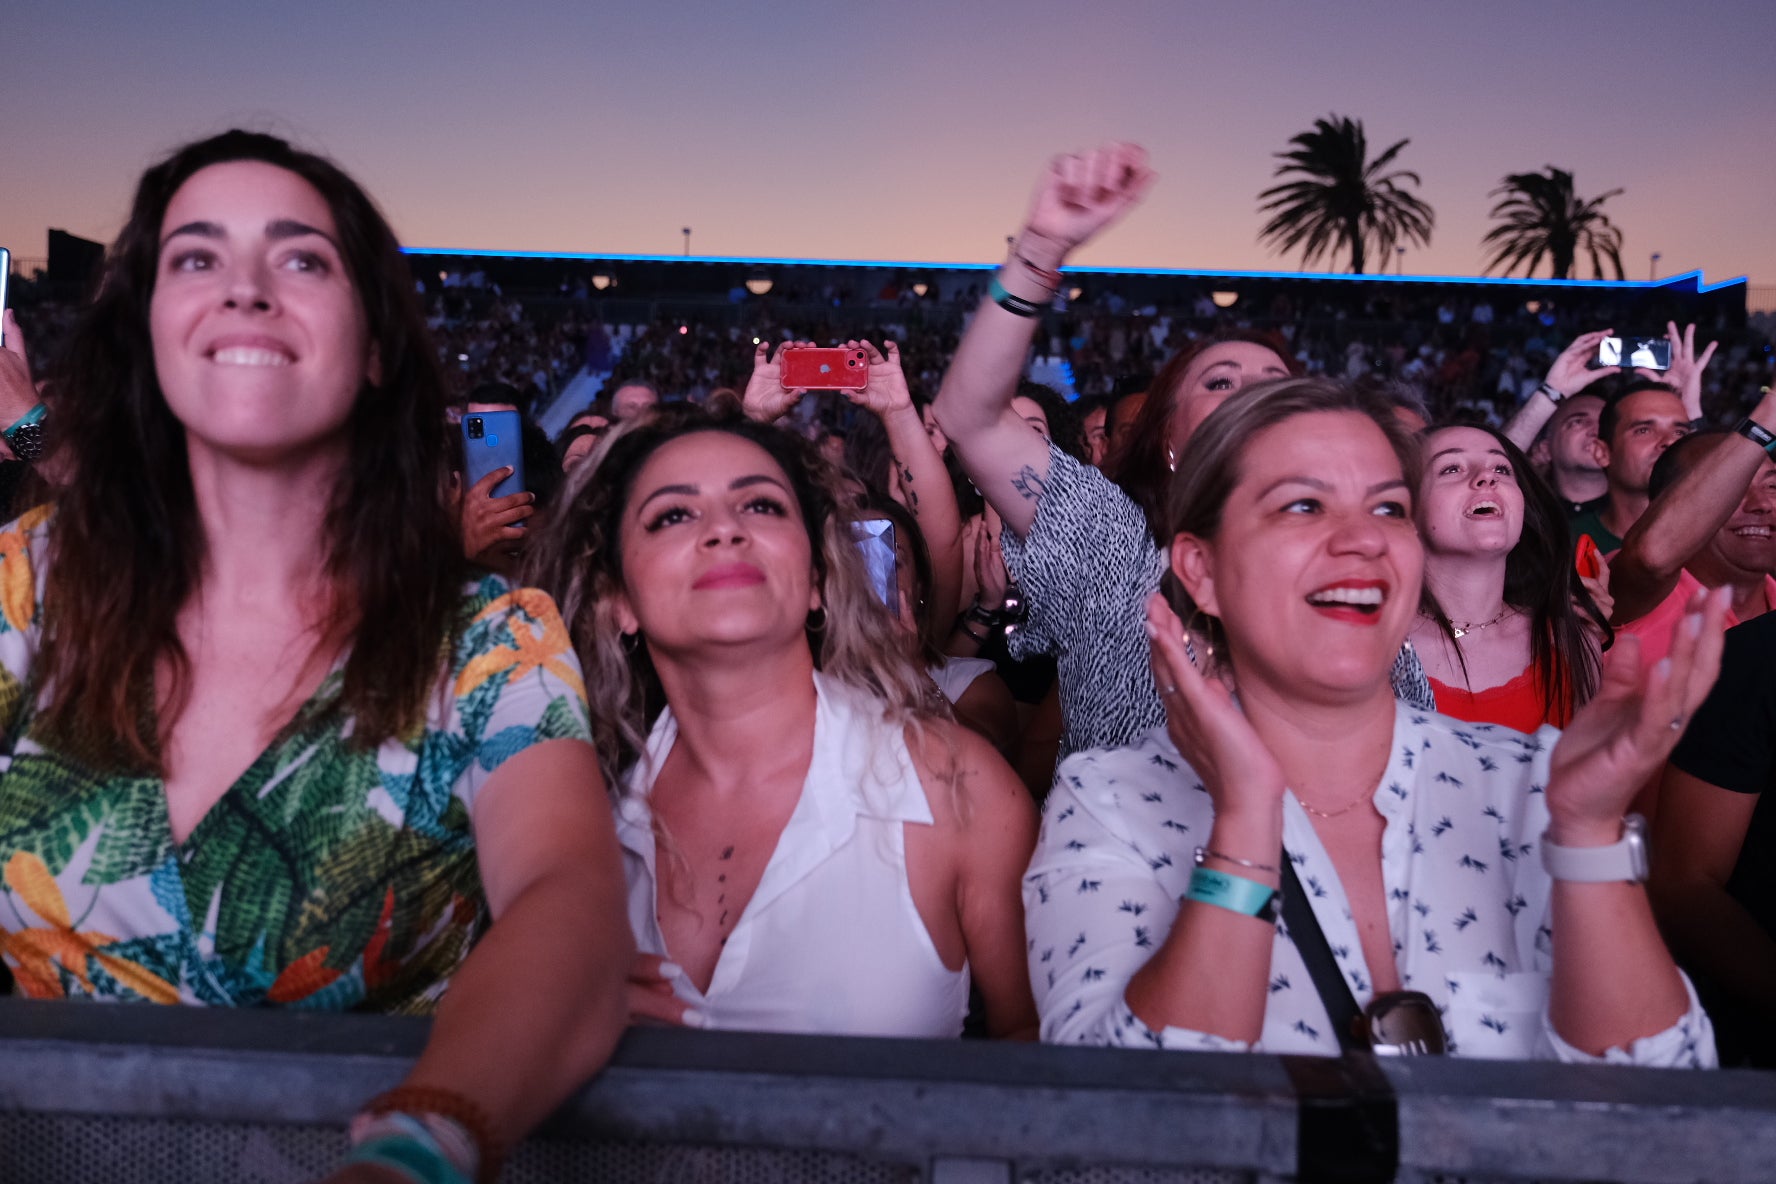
817	620
631	642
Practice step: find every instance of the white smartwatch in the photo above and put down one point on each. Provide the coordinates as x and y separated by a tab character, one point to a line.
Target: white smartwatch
1618	862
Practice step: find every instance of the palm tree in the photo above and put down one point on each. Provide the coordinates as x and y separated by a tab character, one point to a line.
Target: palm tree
1340	199
1543	216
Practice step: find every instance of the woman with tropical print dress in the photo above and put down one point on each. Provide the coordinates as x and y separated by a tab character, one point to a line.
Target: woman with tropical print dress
264	741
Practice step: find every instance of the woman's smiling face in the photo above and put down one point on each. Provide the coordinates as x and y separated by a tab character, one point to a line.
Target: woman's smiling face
1315	567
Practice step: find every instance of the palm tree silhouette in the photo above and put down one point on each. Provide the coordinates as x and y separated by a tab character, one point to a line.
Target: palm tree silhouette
1543	216
1338	199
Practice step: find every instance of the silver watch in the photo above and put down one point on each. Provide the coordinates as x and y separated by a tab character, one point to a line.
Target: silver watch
1621	861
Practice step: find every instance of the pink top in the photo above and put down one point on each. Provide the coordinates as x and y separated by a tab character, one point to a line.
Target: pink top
1658	627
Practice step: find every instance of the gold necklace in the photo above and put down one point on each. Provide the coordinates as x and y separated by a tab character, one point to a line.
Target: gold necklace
1463	628
1341	811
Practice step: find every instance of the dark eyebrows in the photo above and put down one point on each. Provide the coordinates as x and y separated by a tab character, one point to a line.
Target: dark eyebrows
277	229
1447	451
1315	483
200	229
282	228
693	490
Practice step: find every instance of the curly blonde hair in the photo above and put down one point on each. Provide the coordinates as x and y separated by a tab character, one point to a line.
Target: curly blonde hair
577	559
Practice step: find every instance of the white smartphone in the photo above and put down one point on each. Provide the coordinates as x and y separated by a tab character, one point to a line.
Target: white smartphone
5	275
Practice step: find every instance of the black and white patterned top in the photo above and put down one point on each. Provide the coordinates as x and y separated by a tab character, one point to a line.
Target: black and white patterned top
1469	905
1086	568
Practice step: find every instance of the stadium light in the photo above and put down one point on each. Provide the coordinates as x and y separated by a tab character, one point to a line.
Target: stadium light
920	288
1074	293
1532	307
1224	299
602	280
758	283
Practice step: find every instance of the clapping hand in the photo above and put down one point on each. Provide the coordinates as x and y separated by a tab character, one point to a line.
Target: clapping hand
1207	726
1621	737
767	399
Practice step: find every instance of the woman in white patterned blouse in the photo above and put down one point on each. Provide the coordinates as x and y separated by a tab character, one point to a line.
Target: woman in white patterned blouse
1417	839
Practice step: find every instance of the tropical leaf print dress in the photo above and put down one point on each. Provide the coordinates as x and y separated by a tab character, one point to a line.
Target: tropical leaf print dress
326	877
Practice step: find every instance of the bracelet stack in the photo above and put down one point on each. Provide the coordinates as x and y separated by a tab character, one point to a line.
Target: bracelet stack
1033	272
435	1136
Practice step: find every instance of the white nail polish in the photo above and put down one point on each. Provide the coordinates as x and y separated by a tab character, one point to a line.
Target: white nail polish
695	1019
670	970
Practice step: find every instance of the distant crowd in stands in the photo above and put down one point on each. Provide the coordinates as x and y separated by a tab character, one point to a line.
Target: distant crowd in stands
1314	683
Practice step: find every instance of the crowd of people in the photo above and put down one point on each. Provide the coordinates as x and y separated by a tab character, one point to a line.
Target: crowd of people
1256	704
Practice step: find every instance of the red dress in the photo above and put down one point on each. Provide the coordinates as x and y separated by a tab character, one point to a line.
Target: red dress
1516	704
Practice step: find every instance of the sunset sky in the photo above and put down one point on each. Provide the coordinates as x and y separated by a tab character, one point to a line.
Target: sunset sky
909	130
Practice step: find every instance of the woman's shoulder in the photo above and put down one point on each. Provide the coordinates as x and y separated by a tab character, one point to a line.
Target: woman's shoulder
24	561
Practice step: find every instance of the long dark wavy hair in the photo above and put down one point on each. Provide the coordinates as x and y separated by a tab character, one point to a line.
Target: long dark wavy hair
1140	468
1540	580
127	544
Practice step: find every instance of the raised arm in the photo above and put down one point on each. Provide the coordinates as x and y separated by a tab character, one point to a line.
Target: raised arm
1077	197
924	482
1682	519
1566	377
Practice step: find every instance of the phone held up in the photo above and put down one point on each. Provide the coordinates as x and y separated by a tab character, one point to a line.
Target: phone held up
815	368
875	542
5	276
492	440
1637	353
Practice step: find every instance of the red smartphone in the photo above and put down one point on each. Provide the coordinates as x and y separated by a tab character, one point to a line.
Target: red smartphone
1587	558
815	368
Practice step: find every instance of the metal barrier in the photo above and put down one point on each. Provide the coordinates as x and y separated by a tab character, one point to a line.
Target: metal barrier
125	1094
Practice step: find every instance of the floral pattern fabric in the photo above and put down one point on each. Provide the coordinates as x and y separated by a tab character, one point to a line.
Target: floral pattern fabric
327	876
1469	905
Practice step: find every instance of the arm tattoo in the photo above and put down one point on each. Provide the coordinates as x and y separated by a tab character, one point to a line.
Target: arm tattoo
906	487
1029	484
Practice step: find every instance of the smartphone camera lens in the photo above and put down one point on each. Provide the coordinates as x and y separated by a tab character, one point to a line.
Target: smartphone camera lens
476	427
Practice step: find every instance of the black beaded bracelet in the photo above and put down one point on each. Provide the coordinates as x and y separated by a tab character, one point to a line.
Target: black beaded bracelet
1758	434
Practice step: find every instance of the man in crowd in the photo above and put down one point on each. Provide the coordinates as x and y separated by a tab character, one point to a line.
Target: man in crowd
632	398
1566	450
1636	425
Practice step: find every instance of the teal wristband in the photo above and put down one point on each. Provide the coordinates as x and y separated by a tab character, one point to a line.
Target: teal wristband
1236	894
420	1161
1016	305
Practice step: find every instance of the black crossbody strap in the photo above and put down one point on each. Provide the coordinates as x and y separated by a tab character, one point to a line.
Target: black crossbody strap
1322	967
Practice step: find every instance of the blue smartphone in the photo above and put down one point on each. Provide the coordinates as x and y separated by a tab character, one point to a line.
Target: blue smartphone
492	440
875	542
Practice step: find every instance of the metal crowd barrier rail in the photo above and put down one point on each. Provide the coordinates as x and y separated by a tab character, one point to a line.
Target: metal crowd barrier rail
135	1094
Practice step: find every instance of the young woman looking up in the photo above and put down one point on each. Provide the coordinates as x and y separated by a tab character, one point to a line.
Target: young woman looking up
1507	632
811	844
280	747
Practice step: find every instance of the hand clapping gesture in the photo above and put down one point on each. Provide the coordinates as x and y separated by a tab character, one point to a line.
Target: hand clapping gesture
1622	736
1207	726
